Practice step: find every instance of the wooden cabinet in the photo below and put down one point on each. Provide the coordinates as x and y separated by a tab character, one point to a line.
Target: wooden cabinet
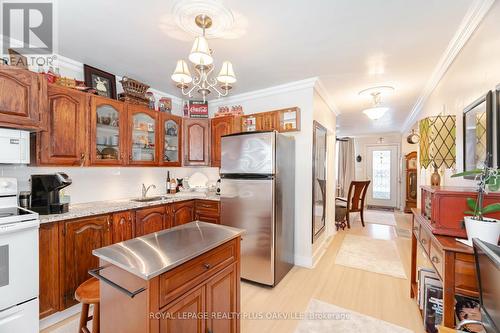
143	138
196	141
50	300
192	302
267	121
148	220
207	285
64	142
411	181
218	127
182	212
170	140
222	297
207	211
122	226
22	98
80	238
108	125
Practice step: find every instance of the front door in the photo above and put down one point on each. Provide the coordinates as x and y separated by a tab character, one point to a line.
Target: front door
382	169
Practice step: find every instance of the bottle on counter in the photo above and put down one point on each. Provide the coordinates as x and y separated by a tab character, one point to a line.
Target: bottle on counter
167	184
173	186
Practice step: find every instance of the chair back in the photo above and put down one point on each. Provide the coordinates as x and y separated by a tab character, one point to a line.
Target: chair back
356	195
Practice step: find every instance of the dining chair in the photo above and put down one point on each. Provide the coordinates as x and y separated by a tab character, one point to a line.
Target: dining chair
354	202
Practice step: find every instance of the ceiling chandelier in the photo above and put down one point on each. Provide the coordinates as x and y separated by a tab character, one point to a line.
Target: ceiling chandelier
201	57
377	111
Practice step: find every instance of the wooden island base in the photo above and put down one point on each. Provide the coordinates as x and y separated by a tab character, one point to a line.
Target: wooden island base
202	295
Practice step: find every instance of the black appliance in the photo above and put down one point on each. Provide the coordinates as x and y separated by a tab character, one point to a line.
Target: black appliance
45	193
488	275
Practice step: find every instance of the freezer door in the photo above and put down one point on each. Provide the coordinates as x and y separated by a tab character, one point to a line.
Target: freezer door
248	153
248	204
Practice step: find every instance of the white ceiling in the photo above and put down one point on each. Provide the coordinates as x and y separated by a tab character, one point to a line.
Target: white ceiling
349	44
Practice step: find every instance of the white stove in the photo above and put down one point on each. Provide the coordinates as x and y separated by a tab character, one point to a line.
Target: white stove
18	263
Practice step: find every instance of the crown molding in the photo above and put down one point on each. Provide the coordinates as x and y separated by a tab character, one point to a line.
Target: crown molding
282	88
323	93
474	16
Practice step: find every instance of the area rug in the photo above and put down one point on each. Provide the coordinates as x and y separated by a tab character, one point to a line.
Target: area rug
321	317
369	254
378	217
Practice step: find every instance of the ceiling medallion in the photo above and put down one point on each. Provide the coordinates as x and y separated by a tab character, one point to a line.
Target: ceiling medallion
201	58
376	93
185	12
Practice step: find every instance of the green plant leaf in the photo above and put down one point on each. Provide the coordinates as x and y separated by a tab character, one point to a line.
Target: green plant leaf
468	212
468	173
471	203
493	208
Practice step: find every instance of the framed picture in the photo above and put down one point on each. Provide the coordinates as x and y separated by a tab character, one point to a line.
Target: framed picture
478	133
103	82
198	109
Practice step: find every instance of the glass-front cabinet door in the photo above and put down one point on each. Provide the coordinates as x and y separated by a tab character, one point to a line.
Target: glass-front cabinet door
171	140
142	135
108	124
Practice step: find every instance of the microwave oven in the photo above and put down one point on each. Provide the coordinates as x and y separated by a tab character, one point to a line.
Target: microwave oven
14	146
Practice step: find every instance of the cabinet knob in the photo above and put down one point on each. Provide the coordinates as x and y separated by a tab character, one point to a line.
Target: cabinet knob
424	241
207	266
435	259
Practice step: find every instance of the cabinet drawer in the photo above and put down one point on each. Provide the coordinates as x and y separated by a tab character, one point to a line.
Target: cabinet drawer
207	206
436	257
425	239
180	279
416	229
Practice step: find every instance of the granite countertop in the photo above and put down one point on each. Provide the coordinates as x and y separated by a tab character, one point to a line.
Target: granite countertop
110	206
154	254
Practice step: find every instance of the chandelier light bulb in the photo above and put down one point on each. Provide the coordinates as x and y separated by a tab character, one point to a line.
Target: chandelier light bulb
200	52
226	74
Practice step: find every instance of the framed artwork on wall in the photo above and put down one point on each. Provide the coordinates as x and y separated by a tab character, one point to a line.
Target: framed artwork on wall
103	82
478	127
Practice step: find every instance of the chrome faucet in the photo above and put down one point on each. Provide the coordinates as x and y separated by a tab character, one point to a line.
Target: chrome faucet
467	322
146	189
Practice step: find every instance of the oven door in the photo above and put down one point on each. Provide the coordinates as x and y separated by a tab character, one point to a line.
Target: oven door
18	263
20	318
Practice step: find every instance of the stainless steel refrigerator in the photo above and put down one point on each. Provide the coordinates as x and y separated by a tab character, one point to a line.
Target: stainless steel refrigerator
258	195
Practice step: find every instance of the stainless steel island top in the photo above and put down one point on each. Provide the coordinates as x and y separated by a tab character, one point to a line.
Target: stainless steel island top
151	255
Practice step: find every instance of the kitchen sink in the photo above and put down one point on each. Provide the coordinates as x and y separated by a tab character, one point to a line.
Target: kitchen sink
147	199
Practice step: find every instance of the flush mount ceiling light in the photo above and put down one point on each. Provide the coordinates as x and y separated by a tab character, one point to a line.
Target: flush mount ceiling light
201	57
377	111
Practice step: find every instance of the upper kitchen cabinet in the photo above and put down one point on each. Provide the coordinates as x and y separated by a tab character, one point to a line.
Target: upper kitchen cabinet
64	142
142	135
196	141
221	126
108	124
171	140
22	98
267	121
288	120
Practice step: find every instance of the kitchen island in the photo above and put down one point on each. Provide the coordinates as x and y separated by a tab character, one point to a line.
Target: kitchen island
184	279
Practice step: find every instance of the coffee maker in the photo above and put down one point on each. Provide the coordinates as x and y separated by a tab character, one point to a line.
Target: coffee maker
45	193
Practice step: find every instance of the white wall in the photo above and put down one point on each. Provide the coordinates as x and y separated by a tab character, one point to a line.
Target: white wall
324	115
475	71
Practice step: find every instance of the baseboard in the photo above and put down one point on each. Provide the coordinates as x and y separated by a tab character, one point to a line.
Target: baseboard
321	251
60	316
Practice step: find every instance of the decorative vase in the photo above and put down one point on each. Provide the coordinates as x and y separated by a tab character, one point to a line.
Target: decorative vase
435	178
487	230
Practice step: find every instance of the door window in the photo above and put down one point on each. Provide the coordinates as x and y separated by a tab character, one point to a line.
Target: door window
381	171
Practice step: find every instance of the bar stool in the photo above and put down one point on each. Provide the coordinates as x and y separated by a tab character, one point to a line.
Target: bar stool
88	293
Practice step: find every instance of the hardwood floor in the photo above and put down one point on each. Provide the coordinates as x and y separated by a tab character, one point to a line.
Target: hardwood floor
376	295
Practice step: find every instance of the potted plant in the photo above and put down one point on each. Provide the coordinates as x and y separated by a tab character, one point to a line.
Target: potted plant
477	225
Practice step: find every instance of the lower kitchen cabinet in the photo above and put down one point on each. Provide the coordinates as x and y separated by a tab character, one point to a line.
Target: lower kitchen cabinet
182	212
192	302
222	297
50	300
207	211
123	226
148	220
80	238
65	247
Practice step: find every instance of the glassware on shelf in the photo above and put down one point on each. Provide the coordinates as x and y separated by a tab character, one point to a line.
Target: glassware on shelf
107	133
143	138
171	148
